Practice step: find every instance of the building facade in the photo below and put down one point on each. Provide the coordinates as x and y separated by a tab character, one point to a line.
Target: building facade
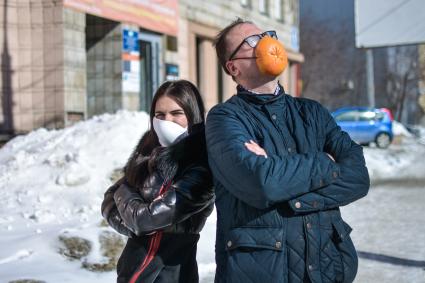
65	61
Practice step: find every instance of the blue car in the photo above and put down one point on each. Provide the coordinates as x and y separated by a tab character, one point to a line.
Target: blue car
366	125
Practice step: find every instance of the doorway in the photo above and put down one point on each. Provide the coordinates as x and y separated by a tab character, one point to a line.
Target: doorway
151	75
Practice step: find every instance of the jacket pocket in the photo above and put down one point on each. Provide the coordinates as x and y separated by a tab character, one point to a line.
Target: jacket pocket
255	238
346	250
255	254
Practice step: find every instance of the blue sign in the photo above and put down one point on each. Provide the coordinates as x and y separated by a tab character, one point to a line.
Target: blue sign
171	72
172	69
130	41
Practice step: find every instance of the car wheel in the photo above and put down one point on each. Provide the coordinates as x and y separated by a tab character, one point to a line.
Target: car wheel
383	140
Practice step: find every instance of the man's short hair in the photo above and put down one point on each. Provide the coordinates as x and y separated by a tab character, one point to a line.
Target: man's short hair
220	42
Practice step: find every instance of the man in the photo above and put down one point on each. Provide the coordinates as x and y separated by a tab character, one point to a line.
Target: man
282	169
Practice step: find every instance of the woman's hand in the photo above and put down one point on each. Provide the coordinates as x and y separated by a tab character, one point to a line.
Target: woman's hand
255	148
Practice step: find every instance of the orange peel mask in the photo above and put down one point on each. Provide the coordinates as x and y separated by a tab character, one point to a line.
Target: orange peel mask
271	56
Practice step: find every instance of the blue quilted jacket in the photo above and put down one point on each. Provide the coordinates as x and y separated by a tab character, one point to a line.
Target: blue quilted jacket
278	218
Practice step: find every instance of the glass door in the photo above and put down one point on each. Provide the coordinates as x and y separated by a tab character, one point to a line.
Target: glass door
150	67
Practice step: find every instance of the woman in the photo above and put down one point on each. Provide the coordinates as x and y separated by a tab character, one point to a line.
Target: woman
166	194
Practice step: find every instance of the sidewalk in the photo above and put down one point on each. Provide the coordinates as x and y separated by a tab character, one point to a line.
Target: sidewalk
389	221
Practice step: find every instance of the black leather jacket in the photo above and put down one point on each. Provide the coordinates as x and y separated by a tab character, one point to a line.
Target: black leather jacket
182	208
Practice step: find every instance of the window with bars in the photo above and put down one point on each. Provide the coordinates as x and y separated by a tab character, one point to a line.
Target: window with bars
294	7
263	6
278	10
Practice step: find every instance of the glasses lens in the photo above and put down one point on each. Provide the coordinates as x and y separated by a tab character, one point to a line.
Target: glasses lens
271	33
252	40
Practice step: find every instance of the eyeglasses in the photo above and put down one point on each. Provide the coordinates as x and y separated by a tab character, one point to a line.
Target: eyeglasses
252	41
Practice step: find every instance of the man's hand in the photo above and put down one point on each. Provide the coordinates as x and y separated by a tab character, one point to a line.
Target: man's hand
255	148
258	150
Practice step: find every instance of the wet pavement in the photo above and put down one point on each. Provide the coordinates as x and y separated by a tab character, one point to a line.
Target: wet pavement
389	233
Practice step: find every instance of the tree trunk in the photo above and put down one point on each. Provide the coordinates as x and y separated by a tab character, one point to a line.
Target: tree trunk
402	98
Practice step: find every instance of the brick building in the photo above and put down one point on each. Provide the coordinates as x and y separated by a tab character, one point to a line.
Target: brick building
64	61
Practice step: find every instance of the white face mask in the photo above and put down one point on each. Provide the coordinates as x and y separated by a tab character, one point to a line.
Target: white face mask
168	132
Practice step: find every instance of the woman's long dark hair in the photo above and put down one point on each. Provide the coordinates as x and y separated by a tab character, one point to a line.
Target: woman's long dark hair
187	96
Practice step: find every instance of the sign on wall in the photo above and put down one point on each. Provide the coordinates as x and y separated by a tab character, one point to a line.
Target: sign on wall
156	15
130	61
171	72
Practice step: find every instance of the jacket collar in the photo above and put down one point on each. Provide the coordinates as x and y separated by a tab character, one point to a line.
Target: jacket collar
168	161
255	98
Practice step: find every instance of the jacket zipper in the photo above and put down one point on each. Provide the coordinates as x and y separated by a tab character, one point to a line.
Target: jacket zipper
274	122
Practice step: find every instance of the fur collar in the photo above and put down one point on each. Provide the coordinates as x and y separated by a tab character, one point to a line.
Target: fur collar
170	161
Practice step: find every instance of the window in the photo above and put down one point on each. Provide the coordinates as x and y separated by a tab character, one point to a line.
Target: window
294	8
379	116
172	44
346	117
246	3
278	9
366	116
263	6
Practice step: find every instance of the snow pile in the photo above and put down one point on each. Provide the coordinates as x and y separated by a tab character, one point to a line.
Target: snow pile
415	134
400	130
80	157
402	162
52	182
52	185
420	133
50	175
405	162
